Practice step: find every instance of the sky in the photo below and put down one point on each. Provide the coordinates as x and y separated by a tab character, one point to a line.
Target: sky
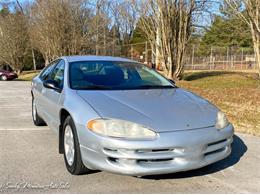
212	9
204	19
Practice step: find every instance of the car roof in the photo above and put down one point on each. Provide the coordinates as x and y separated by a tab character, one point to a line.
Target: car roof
96	58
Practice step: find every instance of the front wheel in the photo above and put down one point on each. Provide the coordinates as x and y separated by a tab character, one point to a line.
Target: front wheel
72	155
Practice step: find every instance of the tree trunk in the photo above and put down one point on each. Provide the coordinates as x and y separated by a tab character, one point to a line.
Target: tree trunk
104	41
170	66
157	58
47	61
256	43
18	71
257	56
157	51
34	62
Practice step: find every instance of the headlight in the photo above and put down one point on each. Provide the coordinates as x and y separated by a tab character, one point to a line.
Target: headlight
221	121
120	129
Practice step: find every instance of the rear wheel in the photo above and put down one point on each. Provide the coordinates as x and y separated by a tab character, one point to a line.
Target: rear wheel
72	155
36	119
3	78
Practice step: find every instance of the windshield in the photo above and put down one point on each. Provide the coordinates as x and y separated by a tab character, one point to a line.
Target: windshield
108	75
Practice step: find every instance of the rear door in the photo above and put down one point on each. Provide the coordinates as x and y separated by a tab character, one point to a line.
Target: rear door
51	97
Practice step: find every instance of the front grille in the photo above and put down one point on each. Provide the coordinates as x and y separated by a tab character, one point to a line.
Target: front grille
155	151
112	159
216	147
143	156
154	160
218	142
215	151
108	149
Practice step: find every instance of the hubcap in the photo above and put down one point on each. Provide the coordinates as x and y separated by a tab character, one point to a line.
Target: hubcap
4	78
69	145
34	110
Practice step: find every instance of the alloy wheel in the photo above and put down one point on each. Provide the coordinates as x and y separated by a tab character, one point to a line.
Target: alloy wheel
69	145
34	110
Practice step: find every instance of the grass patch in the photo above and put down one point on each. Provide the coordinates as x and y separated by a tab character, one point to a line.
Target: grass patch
27	75
237	94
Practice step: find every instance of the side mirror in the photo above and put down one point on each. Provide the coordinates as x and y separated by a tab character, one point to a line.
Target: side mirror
51	84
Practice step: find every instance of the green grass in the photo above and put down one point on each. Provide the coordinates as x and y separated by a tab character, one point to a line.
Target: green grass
237	94
27	75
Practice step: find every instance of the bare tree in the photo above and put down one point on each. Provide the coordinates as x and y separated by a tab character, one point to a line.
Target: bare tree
168	26
249	12
14	39
125	17
99	27
59	27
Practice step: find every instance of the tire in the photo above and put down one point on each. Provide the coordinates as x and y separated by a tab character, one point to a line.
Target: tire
38	121
3	78
73	162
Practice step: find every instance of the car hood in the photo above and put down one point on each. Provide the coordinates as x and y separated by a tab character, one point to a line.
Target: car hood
160	109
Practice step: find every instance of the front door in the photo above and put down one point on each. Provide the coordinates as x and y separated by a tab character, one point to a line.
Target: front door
51	98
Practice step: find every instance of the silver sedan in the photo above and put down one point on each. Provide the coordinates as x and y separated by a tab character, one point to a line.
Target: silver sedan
117	115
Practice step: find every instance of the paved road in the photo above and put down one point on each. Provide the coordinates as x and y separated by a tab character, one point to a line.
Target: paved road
29	160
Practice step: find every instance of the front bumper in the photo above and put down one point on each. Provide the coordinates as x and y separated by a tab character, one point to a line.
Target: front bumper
171	152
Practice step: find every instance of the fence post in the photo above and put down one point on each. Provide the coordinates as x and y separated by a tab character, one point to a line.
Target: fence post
213	64
211	56
227	59
242	58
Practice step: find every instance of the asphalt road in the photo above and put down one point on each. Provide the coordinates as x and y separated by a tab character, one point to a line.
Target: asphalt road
29	161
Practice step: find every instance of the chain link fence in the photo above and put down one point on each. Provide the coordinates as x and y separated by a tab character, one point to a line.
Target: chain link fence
216	58
219	58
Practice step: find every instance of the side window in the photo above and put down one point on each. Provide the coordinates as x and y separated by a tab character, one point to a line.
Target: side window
46	72
58	73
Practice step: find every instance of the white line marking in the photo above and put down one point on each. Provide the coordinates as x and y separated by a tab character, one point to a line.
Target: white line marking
24	129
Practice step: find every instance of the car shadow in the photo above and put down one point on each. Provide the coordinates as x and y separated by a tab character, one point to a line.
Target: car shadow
201	75
238	150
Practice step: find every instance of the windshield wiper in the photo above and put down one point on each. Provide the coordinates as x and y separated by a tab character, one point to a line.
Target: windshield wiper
98	87
154	87
102	87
